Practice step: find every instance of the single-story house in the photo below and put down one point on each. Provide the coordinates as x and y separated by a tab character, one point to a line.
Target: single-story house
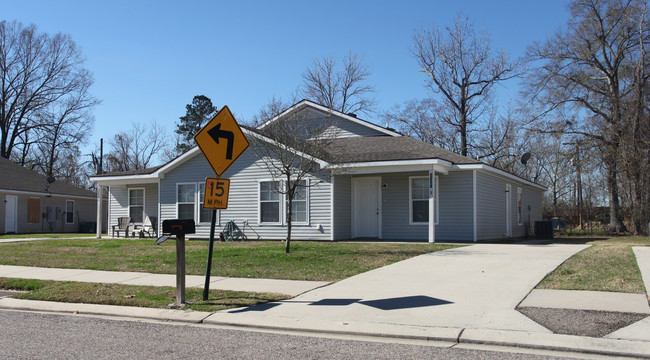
377	184
32	204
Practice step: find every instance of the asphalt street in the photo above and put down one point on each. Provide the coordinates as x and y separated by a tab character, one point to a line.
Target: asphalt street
25	335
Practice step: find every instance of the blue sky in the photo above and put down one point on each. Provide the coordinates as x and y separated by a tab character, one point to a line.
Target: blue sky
149	58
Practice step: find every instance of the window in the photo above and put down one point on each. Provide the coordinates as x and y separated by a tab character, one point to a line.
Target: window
519	202
185	200
299	205
136	205
69	211
269	202
205	215
419	200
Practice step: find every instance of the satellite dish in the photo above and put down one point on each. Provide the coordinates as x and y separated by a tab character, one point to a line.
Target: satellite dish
525	157
50	179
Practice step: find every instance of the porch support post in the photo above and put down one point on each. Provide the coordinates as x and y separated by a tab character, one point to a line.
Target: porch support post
432	205
99	212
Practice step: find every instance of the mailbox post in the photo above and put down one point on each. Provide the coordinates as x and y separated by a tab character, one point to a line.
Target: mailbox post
179	228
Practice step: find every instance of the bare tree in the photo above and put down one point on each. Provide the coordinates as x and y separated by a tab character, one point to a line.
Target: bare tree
293	150
590	69
419	119
136	148
345	89
38	73
461	71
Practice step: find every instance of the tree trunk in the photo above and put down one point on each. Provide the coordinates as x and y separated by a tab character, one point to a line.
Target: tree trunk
290	193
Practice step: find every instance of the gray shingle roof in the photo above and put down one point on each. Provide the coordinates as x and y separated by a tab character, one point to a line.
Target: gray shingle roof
389	148
16	177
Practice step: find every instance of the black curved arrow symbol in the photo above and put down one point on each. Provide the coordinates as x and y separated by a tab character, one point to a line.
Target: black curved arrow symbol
216	133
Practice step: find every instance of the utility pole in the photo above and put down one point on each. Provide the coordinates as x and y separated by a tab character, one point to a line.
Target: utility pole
576	162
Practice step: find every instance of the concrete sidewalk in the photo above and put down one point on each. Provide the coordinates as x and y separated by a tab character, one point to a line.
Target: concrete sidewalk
288	287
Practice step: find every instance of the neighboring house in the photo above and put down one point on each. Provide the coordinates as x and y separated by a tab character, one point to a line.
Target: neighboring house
31	204
378	184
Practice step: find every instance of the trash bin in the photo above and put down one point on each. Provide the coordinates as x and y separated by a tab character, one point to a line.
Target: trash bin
544	230
87	226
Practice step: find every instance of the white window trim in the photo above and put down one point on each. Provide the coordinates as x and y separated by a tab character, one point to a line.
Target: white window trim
520	206
436	198
281	201
66	211
144	202
199	207
308	213
195	196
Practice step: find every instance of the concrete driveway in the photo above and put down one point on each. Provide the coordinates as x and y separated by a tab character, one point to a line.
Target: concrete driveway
476	286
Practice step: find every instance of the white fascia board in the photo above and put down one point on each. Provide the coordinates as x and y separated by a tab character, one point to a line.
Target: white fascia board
305	103
500	172
47	194
373	167
145	178
125	180
322	163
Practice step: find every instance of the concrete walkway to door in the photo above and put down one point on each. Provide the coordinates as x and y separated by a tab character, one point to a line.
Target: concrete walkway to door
475	287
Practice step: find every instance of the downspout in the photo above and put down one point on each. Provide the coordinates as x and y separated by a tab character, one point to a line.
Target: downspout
432	205
475	205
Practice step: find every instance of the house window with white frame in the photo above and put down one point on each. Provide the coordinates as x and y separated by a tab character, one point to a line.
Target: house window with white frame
419	200
519	206
300	204
185	200
205	215
270	201
136	205
69	211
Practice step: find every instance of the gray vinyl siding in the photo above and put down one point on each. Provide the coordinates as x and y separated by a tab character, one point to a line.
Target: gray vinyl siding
119	202
456	203
339	127
342	207
243	203
395	208
491	200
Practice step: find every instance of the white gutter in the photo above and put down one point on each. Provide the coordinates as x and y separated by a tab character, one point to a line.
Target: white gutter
46	194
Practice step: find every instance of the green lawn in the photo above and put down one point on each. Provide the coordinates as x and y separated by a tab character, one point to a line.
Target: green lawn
324	261
131	295
608	264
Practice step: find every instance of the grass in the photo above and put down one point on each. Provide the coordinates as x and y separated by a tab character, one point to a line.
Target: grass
131	295
322	261
608	264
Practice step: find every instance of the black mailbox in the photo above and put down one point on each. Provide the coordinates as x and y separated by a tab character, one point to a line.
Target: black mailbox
178	227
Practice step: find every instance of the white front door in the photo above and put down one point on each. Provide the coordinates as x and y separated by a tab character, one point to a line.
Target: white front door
11	210
508	212
366	203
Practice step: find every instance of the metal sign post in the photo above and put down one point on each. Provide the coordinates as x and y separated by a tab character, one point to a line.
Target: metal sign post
206	286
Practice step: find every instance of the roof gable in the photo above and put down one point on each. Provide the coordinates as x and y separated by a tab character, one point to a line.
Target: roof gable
338	124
